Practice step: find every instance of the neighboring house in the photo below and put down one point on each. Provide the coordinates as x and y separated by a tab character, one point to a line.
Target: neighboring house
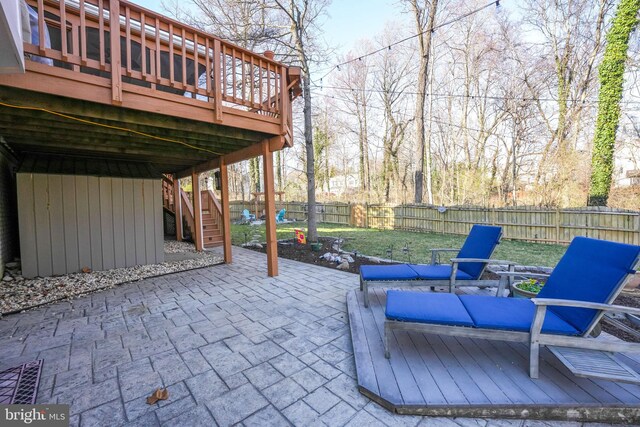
342	184
102	120
627	166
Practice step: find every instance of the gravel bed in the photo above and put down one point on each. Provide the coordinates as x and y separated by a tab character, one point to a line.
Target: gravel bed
17	293
175	247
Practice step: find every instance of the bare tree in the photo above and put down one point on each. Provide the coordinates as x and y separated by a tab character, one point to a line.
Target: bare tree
424	14
572	32
354	76
392	83
303	18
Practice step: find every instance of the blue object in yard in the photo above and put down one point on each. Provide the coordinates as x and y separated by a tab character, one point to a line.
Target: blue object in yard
280	216
247	217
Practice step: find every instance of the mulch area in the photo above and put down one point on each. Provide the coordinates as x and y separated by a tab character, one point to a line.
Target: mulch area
627	299
291	249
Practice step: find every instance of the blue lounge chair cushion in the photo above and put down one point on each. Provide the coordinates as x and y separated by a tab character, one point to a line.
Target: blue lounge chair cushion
511	314
437	272
590	270
387	272
480	243
425	307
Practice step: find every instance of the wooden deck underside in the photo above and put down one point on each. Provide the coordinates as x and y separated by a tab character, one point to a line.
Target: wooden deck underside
463	377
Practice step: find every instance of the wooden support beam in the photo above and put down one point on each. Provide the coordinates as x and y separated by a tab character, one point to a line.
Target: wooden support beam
276	143
200	168
254	150
270	210
273	144
197	211
116	60
177	204
226	213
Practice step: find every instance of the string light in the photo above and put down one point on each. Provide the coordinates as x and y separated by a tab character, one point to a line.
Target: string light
453	95
432	30
409	117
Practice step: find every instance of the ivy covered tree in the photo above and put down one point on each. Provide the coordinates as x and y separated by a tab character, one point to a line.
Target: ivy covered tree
611	75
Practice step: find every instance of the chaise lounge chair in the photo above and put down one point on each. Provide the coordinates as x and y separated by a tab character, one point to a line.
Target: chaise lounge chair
578	292
466	268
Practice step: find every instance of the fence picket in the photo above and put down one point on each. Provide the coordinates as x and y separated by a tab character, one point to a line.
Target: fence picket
523	223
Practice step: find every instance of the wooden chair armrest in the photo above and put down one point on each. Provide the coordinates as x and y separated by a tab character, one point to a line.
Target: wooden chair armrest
434	253
585	304
522	274
488	261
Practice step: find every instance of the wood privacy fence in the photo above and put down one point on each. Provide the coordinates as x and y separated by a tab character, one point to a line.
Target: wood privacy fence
531	224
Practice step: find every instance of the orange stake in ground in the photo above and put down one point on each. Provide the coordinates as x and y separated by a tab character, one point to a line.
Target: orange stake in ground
300	237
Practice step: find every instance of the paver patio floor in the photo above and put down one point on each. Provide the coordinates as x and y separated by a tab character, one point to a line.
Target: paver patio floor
232	345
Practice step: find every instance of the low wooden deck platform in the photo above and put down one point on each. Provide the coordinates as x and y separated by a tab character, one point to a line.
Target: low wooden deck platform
463	377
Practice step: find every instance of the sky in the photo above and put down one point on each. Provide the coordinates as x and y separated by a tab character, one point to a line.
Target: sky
347	21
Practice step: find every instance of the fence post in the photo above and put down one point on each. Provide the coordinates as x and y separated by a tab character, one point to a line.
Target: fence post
366	215
350	219
557	225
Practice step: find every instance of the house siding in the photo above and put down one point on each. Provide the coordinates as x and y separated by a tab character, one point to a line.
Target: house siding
8	217
69	222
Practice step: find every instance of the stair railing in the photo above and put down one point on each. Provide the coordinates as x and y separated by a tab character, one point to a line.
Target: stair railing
187	212
168	198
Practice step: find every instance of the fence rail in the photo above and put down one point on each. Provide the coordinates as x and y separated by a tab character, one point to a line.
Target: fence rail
527	224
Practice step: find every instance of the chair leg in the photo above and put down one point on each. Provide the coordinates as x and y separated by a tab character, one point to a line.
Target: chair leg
387	331
534	360
361	285
365	290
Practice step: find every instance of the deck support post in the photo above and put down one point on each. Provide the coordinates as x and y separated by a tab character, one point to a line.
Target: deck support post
197	210
270	210
177	207
226	214
116	59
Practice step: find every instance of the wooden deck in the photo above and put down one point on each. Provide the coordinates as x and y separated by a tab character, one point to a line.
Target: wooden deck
124	82
462	377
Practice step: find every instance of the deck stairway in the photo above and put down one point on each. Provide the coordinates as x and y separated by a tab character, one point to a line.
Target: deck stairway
211	220
211	212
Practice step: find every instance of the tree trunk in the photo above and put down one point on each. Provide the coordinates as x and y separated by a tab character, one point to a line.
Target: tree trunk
279	170
425	46
312	229
611	75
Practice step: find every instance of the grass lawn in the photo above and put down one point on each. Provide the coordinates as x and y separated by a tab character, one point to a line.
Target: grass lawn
375	243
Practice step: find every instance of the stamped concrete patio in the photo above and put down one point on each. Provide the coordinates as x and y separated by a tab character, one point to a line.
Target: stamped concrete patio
232	345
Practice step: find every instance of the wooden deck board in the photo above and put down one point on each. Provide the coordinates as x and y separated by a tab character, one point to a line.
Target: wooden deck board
434	375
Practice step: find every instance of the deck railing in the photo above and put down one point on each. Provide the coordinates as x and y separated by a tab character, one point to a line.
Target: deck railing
136	49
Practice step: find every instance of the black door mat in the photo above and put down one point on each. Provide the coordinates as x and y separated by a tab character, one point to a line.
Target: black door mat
19	385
